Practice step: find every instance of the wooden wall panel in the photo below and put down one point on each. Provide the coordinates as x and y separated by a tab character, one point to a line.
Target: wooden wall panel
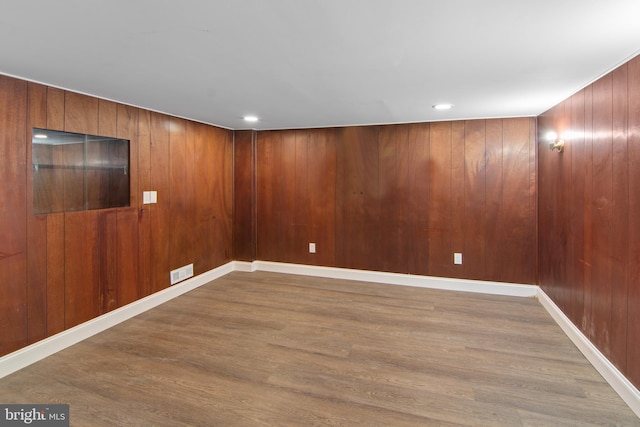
266	231
588	214
494	213
587	311
475	199
577	150
402	198
214	197
302	209
357	198
603	213
518	201
285	201
223	196
321	179
143	143
620	219
61	269
107	118
55	108
83	283
36	225
127	128
633	301
440	219
457	193
80	113
106	246
13	226
204	165
160	212
393	192
244	220
276	205
129	286
181	193
55	273
418	166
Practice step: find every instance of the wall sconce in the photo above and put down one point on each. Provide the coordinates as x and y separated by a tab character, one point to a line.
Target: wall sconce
557	145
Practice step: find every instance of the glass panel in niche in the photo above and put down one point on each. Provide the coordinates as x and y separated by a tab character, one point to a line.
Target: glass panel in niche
75	172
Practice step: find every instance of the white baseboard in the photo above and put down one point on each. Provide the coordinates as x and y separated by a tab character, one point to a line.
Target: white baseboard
37	351
24	357
460	285
627	391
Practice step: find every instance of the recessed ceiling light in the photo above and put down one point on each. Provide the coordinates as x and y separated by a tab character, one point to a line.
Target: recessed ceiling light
443	106
40	136
250	119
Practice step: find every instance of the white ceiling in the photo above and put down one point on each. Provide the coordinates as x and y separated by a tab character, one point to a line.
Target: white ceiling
304	63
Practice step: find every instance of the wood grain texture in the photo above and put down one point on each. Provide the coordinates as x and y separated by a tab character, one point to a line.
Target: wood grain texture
55	108
276	196
107	259
578	151
495	215
205	217
55	244
107	118
143	139
620	220
588	212
127	128
181	198
457	192
129	286
222	249
69	267
603	213
160	213
403	198
213	197
83	281
321	178
80	113
13	214
440	204
633	301
302	207
272	349
475	209
357	198
244	191
517	232
36	225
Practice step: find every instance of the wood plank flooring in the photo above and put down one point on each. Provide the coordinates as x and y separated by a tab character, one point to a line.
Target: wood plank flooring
255	349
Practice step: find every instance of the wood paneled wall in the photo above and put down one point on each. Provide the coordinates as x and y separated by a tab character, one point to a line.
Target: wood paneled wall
589	214
62	269
400	198
244	218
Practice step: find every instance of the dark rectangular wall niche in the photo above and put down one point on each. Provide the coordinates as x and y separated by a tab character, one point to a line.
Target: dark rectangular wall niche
78	172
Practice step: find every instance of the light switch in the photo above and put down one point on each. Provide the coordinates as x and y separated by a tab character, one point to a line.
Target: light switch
146	197
154	196
457	258
312	248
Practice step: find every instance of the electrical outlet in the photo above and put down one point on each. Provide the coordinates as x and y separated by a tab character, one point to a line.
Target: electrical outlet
312	248
457	258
